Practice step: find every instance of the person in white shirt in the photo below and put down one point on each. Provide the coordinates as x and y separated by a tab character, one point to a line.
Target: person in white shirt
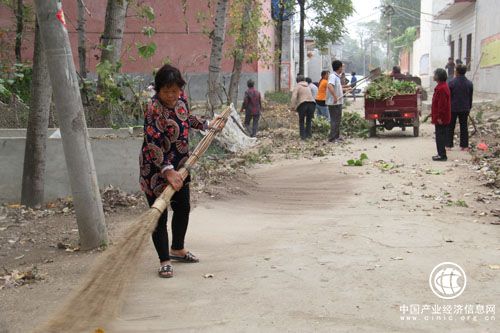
312	86
335	99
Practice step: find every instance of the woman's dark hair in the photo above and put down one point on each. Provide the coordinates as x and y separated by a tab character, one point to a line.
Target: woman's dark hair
323	73
168	76
250	83
461	69
336	64
300	78
308	80
440	75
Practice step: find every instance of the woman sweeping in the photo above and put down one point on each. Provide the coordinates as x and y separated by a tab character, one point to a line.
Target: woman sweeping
167	121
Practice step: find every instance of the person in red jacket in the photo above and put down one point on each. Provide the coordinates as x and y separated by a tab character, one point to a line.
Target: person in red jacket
441	112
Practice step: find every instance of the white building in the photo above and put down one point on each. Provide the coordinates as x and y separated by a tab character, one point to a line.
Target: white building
475	39
430	50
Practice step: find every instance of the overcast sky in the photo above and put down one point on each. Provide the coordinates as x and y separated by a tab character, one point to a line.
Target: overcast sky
365	11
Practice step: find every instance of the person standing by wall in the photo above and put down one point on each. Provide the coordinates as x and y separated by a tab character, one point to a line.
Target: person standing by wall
252	104
461	90
312	86
321	107
303	103
335	100
441	113
450	67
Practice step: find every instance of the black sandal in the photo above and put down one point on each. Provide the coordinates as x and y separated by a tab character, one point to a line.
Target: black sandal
189	258
168	269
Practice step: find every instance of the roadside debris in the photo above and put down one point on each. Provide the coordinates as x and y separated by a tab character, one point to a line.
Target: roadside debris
16	278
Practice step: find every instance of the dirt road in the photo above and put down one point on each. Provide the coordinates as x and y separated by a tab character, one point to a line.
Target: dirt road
315	246
318	246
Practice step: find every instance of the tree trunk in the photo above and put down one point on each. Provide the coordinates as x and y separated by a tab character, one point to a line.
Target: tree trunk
239	55
301	36
76	144
111	43
82	52
235	79
19	29
214	90
36	135
114	25
279	45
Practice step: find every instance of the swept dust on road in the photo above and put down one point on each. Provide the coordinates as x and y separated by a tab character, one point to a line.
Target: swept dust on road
317	246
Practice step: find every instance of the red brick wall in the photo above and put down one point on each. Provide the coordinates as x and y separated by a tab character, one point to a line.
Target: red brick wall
189	51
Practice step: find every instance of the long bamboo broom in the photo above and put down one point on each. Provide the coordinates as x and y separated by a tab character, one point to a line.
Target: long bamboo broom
100	297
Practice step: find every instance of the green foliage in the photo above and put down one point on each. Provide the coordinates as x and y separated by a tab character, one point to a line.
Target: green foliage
119	94
146	51
357	162
405	41
279	97
385	88
148	31
329	18
147	12
354	125
16	81
321	126
246	18
406	14
459	203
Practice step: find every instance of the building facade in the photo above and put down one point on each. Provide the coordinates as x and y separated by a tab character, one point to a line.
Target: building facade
475	39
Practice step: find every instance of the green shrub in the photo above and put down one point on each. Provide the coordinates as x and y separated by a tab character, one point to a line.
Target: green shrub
279	97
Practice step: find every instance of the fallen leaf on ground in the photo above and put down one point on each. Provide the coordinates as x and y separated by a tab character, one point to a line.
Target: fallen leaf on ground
397	258
495	267
208	276
67	247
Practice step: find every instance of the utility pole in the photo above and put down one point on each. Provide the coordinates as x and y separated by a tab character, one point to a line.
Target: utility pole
388	10
69	110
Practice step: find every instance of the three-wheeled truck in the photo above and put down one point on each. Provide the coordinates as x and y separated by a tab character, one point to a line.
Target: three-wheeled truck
399	111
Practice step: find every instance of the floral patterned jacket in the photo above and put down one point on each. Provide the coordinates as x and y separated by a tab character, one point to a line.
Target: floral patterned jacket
166	145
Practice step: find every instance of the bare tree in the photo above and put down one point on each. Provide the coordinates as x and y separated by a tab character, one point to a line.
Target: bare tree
36	137
19	29
217	36
69	108
82	51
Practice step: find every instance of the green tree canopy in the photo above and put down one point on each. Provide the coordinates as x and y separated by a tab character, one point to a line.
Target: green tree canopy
329	18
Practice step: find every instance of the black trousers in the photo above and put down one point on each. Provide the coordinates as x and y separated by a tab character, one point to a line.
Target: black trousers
335	120
441	138
464	129
255	123
306	114
180	204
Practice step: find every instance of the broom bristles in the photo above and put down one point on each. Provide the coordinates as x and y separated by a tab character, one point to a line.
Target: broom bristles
99	298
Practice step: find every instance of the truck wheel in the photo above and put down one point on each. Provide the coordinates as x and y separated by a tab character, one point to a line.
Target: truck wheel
415	131
373	129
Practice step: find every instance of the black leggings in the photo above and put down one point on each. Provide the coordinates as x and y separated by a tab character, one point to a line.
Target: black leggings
181	207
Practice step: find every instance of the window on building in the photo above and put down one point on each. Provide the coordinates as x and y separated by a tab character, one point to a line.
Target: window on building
460	48
468	51
452	50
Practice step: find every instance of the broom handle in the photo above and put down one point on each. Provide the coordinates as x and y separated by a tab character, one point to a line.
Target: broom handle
163	200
